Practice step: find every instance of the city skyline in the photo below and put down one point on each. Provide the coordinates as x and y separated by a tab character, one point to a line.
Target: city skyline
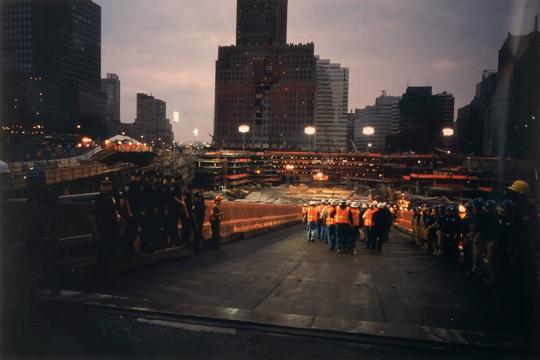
172	54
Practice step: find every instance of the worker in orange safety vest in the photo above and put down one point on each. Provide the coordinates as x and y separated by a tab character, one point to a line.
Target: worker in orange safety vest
343	225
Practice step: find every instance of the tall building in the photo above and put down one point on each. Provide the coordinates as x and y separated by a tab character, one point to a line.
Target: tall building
332	103
423	115
51	65
471	120
511	127
268	85
383	117
111	87
261	22
151	124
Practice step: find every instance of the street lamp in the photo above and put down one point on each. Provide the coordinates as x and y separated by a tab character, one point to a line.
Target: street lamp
310	131
243	129
447	132
368	131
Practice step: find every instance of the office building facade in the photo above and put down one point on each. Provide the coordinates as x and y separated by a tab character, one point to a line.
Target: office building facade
332	102
423	115
268	85
51	68
111	87
151	125
383	117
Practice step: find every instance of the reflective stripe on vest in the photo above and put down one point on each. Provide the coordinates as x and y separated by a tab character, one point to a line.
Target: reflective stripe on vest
312	214
342	216
355	217
329	220
368	221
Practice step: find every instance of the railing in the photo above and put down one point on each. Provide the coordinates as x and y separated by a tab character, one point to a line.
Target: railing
75	236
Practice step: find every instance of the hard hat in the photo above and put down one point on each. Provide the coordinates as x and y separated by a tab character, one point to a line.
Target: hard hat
324	202
348	202
384	203
380	205
520	187
354	205
364	206
106	181
305	204
375	202
218	198
333	202
312	203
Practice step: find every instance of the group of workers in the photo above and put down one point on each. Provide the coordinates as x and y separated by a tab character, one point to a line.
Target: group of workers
492	238
342	224
144	216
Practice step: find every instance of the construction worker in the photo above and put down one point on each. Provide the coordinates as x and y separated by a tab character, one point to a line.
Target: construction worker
371	236
311	217
326	208
320	224
216	217
356	222
523	250
343	220
329	220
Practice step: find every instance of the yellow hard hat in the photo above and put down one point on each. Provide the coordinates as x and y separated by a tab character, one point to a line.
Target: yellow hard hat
520	187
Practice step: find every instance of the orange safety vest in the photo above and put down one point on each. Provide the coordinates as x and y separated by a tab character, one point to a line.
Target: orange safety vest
320	209
330	220
368	217
355	217
342	216
312	214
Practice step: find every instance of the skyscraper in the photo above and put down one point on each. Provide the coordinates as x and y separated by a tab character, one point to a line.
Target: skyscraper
111	87
383	117
512	116
423	115
268	85
151	124
51	65
261	22
332	105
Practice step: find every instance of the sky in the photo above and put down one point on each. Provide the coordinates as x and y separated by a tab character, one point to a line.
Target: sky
168	48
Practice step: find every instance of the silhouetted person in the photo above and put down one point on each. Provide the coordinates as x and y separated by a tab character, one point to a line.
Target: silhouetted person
40	216
105	221
216	216
133	201
199	211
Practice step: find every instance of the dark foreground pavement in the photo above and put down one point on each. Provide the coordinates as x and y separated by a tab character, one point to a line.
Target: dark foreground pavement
276	296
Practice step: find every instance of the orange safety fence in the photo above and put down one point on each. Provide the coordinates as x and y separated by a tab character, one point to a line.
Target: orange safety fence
404	219
245	217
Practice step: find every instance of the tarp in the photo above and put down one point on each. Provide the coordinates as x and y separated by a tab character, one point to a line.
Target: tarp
124	139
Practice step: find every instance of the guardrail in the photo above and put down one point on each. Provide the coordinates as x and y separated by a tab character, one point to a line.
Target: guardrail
75	239
64	174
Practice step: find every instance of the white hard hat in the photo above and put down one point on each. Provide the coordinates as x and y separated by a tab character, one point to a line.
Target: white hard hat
354	204
380	205
364	206
311	203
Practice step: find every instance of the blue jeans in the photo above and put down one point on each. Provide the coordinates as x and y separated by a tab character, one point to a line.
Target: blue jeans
311	231
355	235
331	231
324	233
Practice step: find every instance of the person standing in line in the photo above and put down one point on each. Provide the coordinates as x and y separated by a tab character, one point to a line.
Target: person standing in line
133	199
356	222
150	225
215	222
40	219
343	219
199	210
371	234
320	209
187	231
105	221
171	212
311	217
330	222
